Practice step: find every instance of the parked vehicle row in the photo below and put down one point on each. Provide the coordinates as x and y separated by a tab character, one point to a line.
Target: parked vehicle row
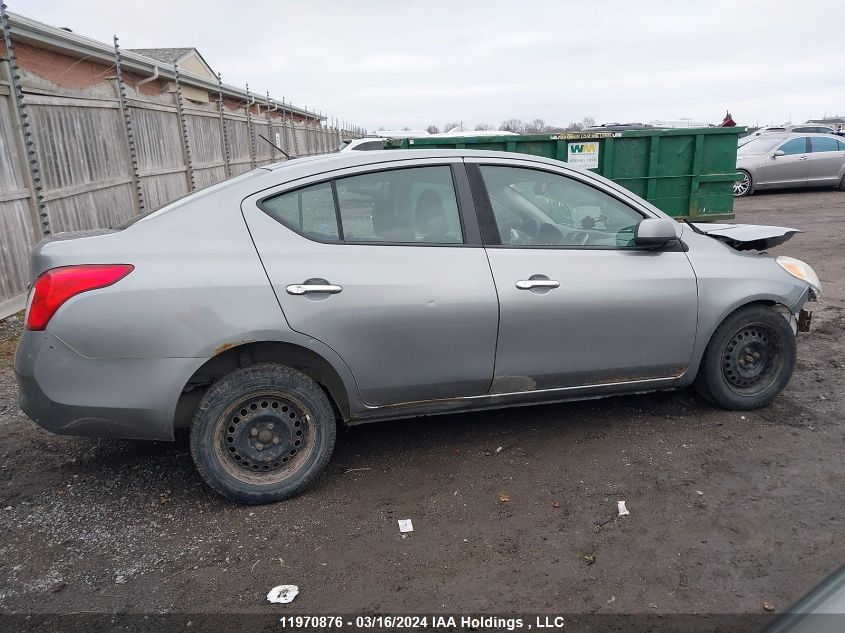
801	128
372	285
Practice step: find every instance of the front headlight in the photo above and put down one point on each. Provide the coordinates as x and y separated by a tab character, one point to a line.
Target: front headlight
801	270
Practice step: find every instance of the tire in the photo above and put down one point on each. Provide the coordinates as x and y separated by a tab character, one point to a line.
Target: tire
842	183
262	433
742	187
748	361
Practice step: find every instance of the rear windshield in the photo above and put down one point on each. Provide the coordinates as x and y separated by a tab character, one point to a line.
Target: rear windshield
759	145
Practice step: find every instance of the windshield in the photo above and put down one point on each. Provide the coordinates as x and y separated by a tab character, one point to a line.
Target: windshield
759	145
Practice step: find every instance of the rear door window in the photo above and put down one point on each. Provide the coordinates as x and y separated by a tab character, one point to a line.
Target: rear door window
408	206
823	144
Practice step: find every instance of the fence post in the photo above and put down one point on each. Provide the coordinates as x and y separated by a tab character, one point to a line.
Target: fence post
249	129
335	133
37	208
183	125
127	128
309	134
307	148
270	136
224	135
285	144
319	130
293	134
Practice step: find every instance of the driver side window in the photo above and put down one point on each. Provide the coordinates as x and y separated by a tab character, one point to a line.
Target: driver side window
540	208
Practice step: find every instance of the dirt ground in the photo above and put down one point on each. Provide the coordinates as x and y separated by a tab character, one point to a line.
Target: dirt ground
728	511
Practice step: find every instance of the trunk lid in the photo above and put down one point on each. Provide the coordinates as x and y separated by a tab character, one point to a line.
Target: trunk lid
65	249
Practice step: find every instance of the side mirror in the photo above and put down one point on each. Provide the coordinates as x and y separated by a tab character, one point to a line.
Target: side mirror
655	232
779	152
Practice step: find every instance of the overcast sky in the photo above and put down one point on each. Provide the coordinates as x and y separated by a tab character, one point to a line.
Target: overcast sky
399	63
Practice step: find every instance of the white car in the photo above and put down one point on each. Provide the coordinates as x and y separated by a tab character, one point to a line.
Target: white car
803	128
368	143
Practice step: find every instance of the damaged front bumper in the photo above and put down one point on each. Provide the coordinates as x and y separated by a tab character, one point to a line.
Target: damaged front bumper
800	318
805	318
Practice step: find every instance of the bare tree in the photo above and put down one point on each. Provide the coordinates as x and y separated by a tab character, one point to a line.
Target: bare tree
432	129
513	125
588	121
537	126
449	126
574	126
483	127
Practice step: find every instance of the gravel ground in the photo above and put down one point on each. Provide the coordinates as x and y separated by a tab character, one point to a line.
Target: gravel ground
728	511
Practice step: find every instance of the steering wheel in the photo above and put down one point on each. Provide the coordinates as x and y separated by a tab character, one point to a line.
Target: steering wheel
632	229
526	231
578	238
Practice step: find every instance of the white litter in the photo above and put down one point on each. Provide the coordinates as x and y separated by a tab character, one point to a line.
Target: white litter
499	450
283	594
405	525
623	511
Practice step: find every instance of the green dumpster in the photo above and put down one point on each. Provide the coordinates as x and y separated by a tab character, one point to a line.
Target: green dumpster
687	173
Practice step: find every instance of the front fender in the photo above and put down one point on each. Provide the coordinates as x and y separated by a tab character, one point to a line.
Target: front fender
727	280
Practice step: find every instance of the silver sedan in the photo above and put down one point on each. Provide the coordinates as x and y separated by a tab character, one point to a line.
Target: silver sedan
790	160
361	286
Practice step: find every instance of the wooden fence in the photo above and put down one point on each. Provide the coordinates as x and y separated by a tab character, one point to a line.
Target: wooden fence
88	165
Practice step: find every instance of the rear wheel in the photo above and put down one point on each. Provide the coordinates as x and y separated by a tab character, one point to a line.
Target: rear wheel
262	433
749	359
842	183
742	187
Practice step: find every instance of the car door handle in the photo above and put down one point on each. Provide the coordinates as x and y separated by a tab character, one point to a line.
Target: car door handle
528	284
302	289
804	158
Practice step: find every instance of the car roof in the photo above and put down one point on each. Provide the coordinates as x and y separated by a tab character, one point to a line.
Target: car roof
324	164
341	160
787	135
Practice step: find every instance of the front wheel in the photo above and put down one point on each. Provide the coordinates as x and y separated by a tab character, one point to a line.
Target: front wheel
262	433
749	359
742	187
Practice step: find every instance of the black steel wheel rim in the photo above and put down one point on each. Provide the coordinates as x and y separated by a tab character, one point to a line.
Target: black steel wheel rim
752	359
265	437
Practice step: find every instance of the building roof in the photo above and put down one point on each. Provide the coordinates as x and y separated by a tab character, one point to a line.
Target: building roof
166	55
179	56
828	120
70	43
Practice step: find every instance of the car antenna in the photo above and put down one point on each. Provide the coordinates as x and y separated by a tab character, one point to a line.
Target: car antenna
276	146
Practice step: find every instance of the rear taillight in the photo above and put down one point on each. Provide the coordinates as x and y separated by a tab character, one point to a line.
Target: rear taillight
57	285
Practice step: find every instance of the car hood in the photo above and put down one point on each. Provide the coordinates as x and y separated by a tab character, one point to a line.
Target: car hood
746	237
